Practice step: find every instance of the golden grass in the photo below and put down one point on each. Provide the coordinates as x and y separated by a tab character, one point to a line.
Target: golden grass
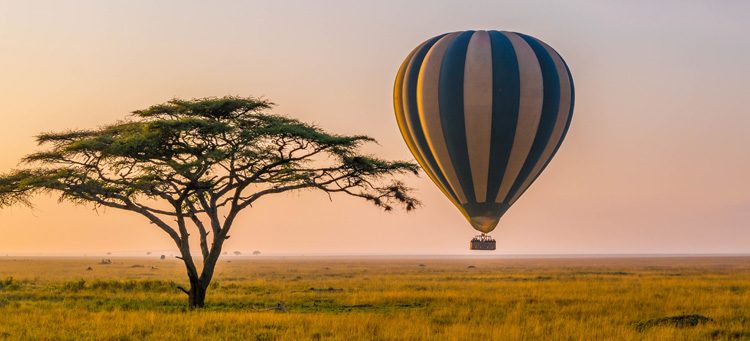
381	299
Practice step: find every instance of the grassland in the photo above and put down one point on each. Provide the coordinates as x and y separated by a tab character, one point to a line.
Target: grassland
379	299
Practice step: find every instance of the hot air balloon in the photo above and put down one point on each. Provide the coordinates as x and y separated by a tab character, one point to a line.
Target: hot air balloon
483	113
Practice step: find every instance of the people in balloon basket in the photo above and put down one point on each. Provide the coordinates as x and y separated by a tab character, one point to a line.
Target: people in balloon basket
483	238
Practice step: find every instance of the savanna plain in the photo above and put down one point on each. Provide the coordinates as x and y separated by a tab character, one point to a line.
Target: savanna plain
413	298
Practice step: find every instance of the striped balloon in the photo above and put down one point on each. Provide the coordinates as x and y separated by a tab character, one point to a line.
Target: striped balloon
483	112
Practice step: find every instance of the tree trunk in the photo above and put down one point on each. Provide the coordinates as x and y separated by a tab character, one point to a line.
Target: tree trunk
197	293
199	283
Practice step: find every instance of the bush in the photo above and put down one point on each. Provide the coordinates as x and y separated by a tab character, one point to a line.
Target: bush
9	284
74	286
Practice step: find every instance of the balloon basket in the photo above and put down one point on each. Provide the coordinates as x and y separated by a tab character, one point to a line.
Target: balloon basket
482	242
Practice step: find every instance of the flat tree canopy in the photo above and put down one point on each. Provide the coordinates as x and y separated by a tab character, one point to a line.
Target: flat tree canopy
190	166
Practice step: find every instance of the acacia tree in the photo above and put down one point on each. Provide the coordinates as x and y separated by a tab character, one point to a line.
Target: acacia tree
191	166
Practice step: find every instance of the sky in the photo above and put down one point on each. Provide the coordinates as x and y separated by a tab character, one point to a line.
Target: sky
656	159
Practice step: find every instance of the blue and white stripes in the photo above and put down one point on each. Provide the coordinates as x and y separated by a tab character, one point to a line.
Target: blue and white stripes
483	112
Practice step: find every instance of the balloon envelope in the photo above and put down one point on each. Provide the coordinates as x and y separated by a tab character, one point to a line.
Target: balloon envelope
483	112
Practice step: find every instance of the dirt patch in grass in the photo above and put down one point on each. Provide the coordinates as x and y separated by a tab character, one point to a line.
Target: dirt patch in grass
680	321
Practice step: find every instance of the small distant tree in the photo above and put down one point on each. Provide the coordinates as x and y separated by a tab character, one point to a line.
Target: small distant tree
191	166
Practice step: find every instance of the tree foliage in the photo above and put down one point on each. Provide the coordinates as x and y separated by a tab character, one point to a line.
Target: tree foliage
193	165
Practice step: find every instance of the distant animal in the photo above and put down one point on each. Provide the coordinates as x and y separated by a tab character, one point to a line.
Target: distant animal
89	269
105	261
163	257
281	307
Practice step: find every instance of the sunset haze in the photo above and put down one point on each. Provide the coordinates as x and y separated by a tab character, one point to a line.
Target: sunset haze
655	161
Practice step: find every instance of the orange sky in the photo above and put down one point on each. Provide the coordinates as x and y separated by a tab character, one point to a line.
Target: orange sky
656	159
